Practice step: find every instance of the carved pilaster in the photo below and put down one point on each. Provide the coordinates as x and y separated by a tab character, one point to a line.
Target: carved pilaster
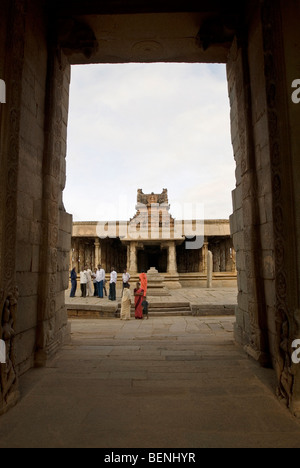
48	337
133	267
98	259
287	299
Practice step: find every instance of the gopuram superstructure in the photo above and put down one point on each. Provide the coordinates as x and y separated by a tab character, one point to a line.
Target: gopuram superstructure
153	238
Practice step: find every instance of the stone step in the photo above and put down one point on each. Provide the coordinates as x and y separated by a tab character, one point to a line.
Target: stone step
164	310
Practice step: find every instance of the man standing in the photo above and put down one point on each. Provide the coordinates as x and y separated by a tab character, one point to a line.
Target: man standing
89	286
113	284
73	282
83	282
126	279
100	277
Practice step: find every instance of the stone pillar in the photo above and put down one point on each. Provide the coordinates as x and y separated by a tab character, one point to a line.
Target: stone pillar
204	257
97	252
233	260
228	255
209	269
172	265
133	268
81	257
223	256
128	257
77	264
216	258
56	226
172	260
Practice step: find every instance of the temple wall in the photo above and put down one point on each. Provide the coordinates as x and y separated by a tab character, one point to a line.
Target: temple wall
35	230
265	200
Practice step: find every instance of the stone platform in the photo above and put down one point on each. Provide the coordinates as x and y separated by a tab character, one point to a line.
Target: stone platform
181	302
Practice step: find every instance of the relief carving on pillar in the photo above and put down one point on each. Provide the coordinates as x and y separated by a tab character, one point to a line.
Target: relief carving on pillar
9	150
287	326
8	377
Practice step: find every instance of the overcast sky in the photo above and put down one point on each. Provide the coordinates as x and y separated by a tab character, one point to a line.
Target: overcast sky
149	126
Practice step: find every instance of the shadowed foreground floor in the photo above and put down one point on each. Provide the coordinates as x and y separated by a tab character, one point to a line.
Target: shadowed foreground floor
166	382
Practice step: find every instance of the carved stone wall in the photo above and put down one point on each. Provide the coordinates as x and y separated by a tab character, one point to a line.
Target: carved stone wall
33	222
12	62
251	330
30	183
56	224
277	22
263	223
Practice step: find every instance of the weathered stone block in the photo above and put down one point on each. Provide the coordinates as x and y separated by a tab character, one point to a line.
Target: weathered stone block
270	292
25	347
26	206
27	283
243	301
238	241
65	222
268	264
27	313
23	257
262	210
23	230
64	241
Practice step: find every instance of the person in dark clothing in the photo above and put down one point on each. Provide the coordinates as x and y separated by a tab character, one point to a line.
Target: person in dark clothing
73	282
145	305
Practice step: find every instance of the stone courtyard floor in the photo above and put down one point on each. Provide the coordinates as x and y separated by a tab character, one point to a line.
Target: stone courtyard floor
214	296
216	301
177	382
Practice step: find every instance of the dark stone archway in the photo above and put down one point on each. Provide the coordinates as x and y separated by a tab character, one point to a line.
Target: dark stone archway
260	44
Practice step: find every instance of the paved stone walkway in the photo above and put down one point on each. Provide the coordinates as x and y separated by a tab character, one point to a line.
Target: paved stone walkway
166	382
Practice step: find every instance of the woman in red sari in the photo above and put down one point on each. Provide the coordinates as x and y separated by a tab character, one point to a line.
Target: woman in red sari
139	295
144	283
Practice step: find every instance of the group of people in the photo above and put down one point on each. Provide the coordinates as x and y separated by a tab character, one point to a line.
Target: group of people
88	279
140	295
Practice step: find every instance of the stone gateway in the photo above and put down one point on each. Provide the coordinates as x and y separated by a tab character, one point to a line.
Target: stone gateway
39	42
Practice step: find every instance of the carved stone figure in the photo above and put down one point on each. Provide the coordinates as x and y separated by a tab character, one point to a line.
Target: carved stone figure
8	375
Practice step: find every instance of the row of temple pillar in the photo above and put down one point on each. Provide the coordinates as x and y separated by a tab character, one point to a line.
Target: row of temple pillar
132	256
87	253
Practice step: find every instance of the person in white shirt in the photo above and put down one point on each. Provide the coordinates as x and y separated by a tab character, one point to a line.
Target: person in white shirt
100	278
83	282
126	278
95	283
113	285
89	286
